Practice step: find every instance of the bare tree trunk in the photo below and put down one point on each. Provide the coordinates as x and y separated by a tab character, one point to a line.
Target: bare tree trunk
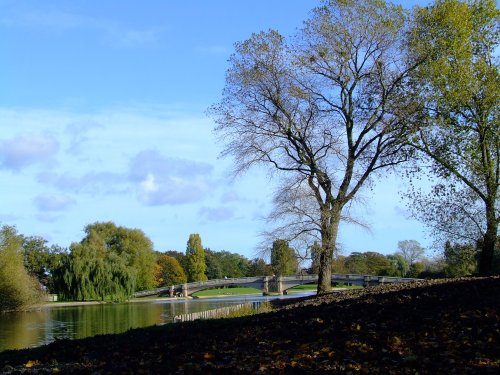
330	228
489	242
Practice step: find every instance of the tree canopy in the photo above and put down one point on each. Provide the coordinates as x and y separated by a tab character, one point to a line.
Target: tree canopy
136	247
97	273
109	263
410	250
324	109
17	288
170	271
458	132
195	259
283	259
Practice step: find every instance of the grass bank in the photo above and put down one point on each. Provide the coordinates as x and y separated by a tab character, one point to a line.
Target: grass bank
426	327
237	291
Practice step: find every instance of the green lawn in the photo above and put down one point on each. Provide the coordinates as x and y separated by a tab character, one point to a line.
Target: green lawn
227	292
304	288
244	290
314	287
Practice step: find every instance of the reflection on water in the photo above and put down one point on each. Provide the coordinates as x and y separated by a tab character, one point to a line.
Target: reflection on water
33	328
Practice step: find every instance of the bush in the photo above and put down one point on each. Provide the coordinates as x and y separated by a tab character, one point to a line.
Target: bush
17	288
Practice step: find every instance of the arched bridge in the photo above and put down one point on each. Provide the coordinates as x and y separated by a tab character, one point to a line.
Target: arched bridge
268	284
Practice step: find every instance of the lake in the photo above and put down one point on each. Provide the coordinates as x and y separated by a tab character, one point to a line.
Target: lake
38	327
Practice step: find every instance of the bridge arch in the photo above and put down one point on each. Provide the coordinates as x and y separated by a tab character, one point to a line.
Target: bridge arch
277	284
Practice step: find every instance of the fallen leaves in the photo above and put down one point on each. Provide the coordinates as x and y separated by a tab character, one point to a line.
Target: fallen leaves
432	327
30	364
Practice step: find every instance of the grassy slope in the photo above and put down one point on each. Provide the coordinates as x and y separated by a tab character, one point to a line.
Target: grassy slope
227	292
431	327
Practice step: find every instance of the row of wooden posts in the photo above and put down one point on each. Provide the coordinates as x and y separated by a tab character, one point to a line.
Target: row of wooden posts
216	313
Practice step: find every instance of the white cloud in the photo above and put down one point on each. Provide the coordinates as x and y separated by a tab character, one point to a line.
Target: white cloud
149	185
53	202
161	180
24	150
171	191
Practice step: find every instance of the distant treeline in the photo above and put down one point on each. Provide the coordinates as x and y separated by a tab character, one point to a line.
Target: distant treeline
112	262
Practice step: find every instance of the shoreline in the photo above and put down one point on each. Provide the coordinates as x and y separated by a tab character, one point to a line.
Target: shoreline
47	305
430	327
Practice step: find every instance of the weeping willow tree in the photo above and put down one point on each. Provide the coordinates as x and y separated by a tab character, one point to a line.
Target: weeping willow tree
133	245
17	288
94	273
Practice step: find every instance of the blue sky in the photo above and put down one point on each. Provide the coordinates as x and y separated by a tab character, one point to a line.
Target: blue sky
102	118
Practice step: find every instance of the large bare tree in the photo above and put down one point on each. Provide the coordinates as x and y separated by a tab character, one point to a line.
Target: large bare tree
323	108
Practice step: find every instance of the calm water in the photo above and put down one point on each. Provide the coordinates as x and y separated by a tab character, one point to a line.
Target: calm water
34	328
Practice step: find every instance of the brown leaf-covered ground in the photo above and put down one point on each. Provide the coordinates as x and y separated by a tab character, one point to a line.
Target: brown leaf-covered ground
428	327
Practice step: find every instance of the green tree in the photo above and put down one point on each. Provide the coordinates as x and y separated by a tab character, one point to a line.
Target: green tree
170	271
56	259
259	267
315	257
460	259
181	257
416	269
214	266
41	261
368	263
36	257
283	259
136	247
195	259
325	109
233	264
225	264
356	263
458	133
17	288
96	273
399	265
59	285
377	264
339	264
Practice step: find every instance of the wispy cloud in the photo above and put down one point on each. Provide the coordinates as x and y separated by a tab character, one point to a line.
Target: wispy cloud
212	214
54	19
78	133
89	183
214	50
231	196
134	38
162	180
5	218
53	202
48	217
24	150
115	33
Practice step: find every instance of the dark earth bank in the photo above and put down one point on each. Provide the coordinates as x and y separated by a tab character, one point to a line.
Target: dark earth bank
426	327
